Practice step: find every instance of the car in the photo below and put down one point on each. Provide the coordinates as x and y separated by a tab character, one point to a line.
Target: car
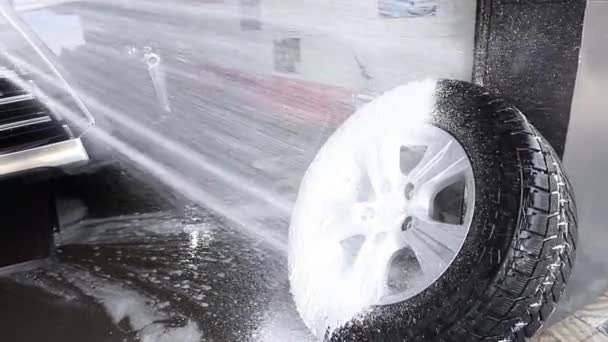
42	124
406	8
41	118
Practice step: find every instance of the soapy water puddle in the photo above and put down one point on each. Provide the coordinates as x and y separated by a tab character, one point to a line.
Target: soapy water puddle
157	277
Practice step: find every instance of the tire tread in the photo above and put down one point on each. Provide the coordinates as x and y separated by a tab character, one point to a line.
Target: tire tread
539	261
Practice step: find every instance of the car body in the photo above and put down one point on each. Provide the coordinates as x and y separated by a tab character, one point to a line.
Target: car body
41	118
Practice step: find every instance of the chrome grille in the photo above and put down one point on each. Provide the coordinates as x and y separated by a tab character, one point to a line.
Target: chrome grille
25	122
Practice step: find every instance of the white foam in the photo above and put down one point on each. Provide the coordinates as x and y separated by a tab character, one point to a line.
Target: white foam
120	302
325	295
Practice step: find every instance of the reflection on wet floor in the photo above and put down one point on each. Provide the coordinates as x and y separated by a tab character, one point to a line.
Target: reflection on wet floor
157	278
138	263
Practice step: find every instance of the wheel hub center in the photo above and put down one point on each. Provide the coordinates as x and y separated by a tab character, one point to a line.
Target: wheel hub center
389	212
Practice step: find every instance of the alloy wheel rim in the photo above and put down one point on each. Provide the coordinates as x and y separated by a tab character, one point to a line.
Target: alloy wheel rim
408	215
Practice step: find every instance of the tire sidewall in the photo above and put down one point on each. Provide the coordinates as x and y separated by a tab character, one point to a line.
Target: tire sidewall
462	111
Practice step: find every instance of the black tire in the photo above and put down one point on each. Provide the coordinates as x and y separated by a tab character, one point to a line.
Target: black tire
516	261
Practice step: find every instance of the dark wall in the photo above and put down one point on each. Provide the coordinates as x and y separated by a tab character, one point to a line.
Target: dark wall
527	50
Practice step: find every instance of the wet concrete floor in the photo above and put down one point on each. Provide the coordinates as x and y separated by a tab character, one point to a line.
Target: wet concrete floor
139	264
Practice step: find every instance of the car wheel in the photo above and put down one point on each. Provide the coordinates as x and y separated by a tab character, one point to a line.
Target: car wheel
436	212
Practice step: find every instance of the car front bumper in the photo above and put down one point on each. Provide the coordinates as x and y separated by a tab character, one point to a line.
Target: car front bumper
59	155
